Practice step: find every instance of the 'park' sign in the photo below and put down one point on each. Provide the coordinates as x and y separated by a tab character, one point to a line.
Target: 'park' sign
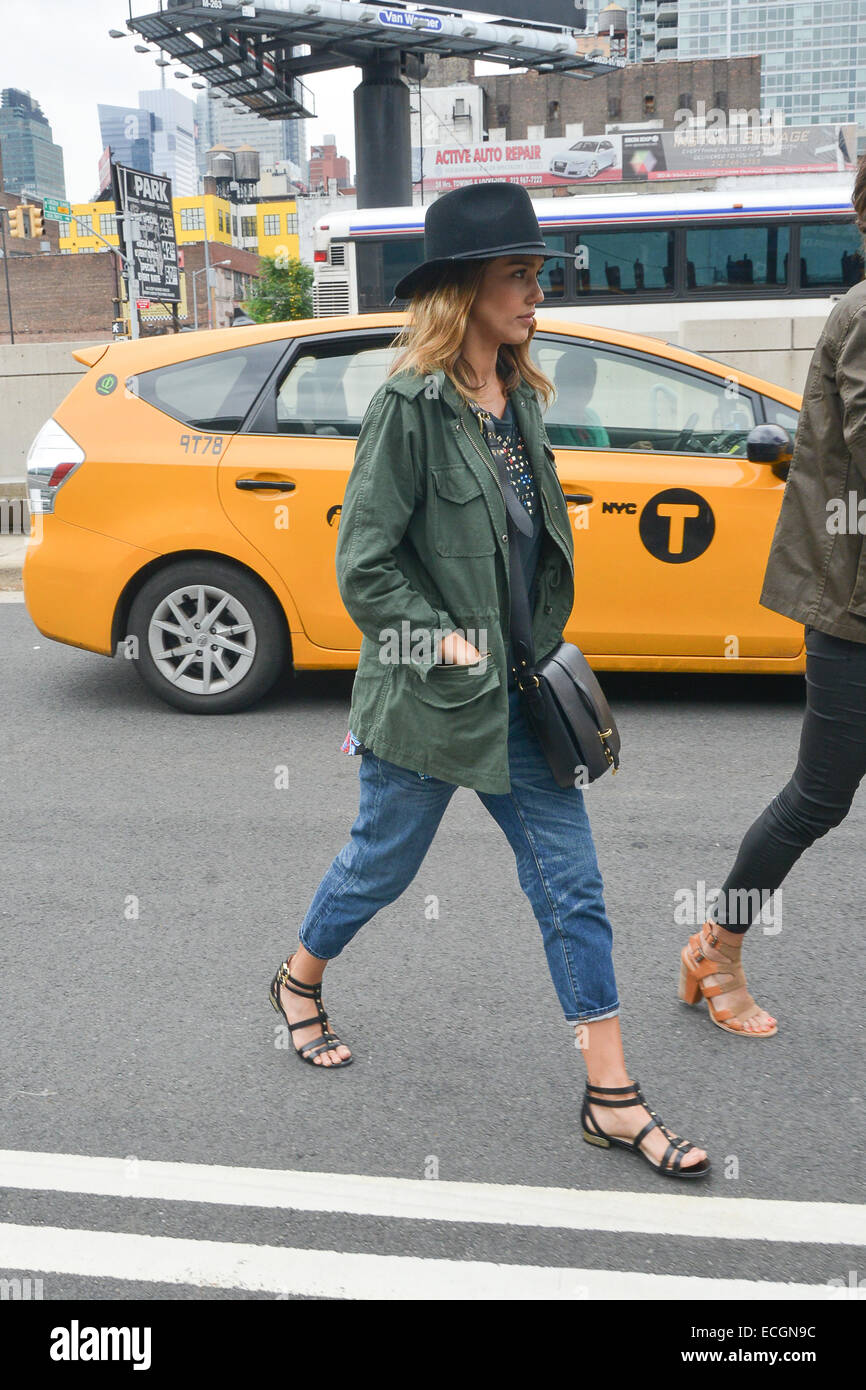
145	201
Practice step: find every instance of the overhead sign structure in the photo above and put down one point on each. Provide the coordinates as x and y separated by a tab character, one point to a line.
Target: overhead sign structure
638	157
143	200
409	19
257	54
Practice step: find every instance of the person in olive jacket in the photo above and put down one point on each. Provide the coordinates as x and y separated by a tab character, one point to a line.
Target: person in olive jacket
816	574
422	567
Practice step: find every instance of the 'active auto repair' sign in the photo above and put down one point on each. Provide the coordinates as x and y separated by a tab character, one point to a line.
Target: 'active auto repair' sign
639	156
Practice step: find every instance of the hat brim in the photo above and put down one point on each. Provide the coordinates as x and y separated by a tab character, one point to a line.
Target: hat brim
426	275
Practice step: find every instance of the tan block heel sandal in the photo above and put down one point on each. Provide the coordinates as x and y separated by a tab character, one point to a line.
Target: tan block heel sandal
735	1004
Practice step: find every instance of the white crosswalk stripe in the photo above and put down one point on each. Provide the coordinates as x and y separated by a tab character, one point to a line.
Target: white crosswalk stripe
673	1214
334	1274
289	1271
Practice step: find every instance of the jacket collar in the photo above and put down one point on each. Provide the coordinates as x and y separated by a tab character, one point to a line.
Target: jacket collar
520	396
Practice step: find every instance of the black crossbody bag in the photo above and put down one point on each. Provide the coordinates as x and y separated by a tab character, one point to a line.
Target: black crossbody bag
565	705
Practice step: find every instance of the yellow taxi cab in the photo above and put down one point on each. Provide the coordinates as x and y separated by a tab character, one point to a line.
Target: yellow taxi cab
186	494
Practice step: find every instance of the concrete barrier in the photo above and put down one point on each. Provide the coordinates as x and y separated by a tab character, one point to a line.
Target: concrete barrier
34	378
777	349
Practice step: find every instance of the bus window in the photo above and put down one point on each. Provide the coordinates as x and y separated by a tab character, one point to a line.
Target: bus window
380	265
624	262
551	277
741	257
831	254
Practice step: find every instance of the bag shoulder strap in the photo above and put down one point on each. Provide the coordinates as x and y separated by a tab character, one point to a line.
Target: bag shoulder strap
520	617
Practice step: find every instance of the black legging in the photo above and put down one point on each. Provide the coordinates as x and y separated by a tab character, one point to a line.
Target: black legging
830	765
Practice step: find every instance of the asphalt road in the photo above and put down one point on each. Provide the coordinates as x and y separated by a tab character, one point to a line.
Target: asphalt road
151	1035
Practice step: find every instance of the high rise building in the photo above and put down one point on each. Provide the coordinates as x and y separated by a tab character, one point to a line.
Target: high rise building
32	163
174	127
129	132
813	56
157	136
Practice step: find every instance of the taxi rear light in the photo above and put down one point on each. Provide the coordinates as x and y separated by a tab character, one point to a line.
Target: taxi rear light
320	255
59	474
53	457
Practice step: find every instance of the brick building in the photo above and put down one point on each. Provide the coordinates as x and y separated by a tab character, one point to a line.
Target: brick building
56	296
326	164
629	96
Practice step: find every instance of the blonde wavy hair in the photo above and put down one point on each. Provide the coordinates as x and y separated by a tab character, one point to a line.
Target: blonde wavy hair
433	335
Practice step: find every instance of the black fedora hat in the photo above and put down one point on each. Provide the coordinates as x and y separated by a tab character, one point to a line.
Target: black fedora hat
475	223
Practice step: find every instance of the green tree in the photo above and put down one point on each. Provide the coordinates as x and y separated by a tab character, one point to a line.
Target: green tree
284	290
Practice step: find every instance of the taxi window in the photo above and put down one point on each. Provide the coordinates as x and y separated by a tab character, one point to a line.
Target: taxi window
213	392
670	410
327	392
779	414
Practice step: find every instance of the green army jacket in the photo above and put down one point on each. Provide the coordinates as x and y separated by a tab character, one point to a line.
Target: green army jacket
816	572
422	550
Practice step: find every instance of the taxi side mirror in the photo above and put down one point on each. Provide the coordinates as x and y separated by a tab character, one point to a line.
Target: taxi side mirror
770	444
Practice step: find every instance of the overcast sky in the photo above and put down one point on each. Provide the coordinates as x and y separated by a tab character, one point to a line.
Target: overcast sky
59	51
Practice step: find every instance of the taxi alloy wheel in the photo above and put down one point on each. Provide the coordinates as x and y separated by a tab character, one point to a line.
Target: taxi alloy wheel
210	639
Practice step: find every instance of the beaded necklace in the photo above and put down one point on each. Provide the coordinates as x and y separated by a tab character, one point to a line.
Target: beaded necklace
515	456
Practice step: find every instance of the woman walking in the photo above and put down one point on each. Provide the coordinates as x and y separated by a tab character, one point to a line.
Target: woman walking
816	574
422	565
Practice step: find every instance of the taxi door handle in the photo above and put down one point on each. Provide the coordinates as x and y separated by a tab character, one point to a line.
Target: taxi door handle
582	497
253	484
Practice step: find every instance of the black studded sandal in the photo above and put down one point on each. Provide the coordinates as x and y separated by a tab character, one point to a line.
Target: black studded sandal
671	1164
328	1040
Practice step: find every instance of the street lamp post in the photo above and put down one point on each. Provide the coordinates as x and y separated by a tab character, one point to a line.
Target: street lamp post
6	273
204	270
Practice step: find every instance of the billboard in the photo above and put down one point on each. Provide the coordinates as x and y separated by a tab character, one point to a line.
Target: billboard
563	14
144	201
640	156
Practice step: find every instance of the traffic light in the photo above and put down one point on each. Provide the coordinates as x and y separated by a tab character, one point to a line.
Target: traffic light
37	222
16	222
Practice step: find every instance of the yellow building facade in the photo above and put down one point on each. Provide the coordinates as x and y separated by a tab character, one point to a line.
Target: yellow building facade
263	228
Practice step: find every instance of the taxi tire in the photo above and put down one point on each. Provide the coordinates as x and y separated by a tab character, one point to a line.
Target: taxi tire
268	621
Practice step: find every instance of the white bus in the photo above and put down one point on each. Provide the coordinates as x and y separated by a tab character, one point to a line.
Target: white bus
641	262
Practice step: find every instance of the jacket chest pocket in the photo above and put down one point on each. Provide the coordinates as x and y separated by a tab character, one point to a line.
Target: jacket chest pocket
461	521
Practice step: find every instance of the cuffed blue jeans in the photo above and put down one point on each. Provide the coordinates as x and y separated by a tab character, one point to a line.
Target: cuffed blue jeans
548	829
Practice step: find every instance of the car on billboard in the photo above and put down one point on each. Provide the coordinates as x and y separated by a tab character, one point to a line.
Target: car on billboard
584	160
185	502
